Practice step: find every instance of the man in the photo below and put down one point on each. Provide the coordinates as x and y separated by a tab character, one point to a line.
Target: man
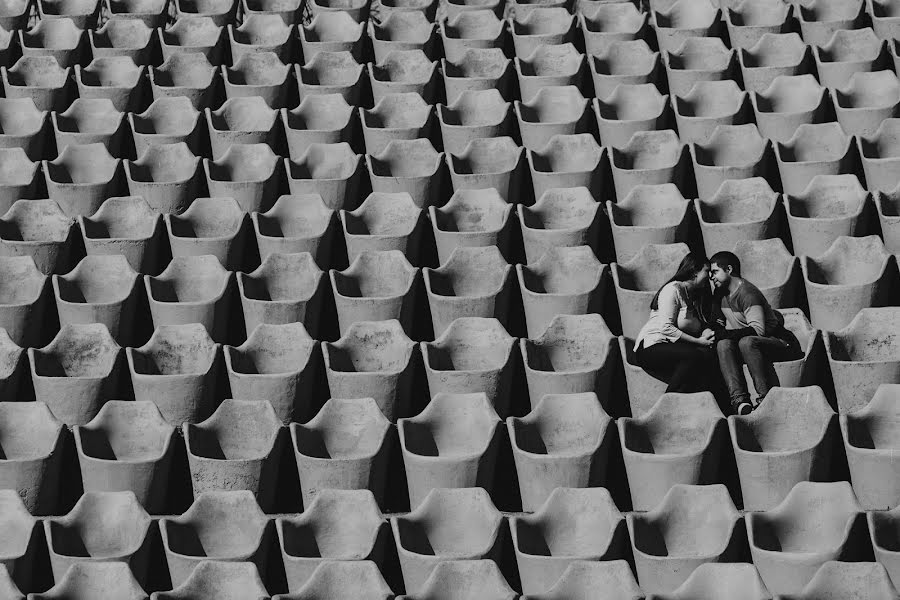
748	332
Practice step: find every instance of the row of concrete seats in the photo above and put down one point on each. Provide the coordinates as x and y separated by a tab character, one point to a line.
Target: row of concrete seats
194	75
690	527
456	441
702	119
467	579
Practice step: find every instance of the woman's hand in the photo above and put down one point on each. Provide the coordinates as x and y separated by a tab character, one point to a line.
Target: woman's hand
707	338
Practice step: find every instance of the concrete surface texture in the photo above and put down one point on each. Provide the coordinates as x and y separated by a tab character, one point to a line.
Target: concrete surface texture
338	244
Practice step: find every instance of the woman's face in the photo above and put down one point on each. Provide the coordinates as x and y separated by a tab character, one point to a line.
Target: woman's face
701	278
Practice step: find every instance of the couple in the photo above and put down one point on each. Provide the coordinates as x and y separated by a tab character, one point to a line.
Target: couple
696	337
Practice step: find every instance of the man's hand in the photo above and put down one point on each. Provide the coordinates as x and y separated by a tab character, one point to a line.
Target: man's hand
708	337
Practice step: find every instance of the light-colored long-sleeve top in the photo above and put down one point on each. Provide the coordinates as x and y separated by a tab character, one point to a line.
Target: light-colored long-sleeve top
673	315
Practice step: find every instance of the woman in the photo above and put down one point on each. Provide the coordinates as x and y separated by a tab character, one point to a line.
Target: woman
675	345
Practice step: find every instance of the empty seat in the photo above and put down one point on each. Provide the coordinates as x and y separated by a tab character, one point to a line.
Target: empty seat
478	69
562	443
295	224
84	580
649	214
630	62
214	226
550	66
489	163
452	443
576	354
87	121
867	580
247	120
330	170
192	289
774	54
691	525
76	372
30	438
372	360
166	121
787	439
609	23
219	526
249	173
166	176
218	580
475	114
879	154
552	111
117	78
285	288
869	434
411	166
277	363
126	226
384	222
403	71
257	74
330	73
740	210
193	34
462	579
102	526
401	29
787	103
82	177
566	161
339	525
831	206
22	300
774	270
236	448
813	525
748	21
344	447
821	18
851	275
377	286
395	116
683	20
39	229
58	38
562	217
649	157
473	282
866	101
330	32
452	524
474	354
709	580
708	105
177	369
472	29
544	543
471	219
698	59
849	52
629	109
343	578
565	280
261	32
318	119
591	579
127	447
732	152
100	289
122	36
22	126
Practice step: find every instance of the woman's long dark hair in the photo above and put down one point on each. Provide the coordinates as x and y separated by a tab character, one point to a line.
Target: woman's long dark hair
700	300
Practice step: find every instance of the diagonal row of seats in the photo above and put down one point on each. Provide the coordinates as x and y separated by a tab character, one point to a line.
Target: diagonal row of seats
338	547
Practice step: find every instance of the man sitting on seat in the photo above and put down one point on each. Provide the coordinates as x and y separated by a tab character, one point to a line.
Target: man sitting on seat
749	331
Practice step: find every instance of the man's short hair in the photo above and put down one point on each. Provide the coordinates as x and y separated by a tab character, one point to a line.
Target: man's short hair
727	259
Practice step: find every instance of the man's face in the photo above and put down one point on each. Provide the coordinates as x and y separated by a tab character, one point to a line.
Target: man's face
719	276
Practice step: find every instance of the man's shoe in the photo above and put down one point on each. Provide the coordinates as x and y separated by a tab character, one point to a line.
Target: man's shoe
744	408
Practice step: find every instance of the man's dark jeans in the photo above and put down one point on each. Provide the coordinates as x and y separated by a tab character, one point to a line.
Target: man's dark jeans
758	353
